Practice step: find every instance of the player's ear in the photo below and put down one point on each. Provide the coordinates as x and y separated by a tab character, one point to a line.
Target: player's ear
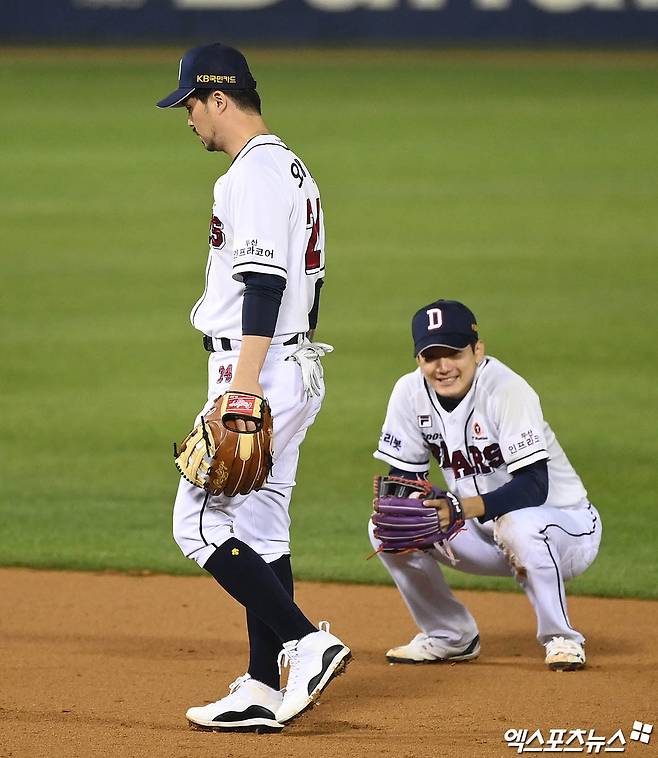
479	350
219	99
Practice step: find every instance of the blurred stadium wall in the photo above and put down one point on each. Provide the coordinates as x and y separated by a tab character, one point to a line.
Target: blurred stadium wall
274	22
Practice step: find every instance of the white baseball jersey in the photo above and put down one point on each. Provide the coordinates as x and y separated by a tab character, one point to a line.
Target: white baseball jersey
266	218
497	429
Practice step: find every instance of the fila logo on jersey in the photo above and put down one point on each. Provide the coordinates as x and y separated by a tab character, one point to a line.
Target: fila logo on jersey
476	461
216	236
424	421
435	318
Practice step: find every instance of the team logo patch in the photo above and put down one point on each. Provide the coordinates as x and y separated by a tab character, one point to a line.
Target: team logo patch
434	318
424	421
225	373
241	404
478	432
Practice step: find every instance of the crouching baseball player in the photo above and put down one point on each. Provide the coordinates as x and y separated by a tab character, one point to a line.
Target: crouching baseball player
514	503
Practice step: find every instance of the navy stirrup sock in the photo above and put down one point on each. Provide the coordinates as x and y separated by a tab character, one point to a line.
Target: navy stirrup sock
254	584
264	645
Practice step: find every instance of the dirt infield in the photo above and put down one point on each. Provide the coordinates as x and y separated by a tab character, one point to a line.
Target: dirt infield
103	664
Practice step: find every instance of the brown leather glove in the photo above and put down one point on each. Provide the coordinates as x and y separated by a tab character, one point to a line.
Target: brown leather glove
218	457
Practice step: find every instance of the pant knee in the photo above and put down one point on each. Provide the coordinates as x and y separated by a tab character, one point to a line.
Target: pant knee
179	537
197	530
518	536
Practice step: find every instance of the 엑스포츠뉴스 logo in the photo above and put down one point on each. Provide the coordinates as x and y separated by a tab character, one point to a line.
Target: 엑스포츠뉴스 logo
579	740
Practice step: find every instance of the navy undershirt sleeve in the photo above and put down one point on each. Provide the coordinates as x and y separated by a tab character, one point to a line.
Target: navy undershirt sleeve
527	489
261	303
313	313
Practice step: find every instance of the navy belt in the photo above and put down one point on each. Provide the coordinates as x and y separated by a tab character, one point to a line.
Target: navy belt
227	344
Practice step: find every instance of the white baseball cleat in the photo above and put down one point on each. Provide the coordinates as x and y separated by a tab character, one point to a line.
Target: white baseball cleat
564	655
313	662
250	706
426	649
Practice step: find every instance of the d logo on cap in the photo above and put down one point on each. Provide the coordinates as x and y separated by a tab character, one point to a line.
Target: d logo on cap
444	323
435	318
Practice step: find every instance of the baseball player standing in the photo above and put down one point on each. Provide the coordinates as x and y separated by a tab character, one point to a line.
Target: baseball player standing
257	312
525	509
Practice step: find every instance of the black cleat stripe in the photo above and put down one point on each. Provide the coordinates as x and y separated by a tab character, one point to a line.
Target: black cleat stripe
327	658
253	712
472	646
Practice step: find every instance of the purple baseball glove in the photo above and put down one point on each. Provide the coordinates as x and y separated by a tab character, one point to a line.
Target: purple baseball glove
401	520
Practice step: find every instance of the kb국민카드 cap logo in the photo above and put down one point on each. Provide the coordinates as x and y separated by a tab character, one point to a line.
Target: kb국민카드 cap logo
444	323
214	66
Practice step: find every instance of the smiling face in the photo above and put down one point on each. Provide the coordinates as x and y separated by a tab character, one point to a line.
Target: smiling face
451	372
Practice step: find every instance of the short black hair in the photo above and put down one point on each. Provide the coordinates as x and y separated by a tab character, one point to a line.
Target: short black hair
245	99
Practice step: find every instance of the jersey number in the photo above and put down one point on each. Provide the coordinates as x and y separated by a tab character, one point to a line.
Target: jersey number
313	253
216	234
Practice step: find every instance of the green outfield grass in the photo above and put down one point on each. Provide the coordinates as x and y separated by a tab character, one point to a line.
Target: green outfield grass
524	185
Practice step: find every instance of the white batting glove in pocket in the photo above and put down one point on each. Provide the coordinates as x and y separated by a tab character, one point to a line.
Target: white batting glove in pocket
308	357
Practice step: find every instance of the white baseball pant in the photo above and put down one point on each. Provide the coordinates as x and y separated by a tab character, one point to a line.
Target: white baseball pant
541	547
203	522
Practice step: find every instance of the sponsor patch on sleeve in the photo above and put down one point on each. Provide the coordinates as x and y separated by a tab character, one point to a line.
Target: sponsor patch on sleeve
253	249
387	438
525	443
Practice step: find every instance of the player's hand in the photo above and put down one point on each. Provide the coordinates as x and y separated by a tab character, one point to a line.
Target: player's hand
443	507
252	388
449	507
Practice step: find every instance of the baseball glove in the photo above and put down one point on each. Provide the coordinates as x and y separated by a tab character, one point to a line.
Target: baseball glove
220	459
308	357
401	520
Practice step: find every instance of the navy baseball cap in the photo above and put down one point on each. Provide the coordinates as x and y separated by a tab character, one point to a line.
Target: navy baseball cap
213	66
444	323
